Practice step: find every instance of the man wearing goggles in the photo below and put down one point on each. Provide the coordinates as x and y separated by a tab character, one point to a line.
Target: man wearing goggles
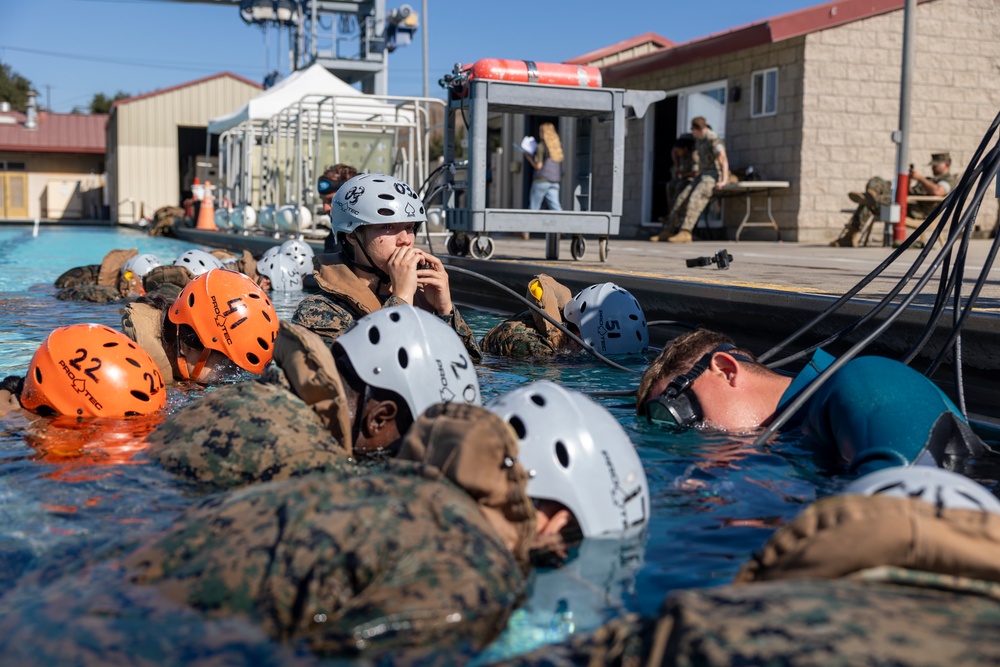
327	186
873	412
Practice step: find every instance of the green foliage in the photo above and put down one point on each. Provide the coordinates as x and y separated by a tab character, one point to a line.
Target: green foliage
102	104
14	88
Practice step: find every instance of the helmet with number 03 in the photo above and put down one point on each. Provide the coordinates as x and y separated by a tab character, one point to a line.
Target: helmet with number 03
941	488
609	319
90	370
283	272
141	264
230	314
302	252
578	455
412	353
375	199
198	261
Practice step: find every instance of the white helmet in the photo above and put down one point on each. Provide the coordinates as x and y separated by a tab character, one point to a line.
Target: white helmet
302	253
609	319
271	252
198	261
266	218
941	488
412	353
579	455
222	218
375	199
283	272
141	264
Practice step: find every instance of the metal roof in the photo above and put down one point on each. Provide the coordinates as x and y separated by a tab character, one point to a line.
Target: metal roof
56	133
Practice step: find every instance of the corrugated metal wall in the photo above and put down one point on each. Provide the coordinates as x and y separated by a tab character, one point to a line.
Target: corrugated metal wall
142	140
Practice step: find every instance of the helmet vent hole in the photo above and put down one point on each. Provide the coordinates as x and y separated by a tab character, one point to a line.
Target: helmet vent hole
562	454
255	296
614	334
253	358
191	300
394	317
633	316
583	307
638	335
264	345
133	362
518	426
142	396
38	375
538	400
266	316
404	358
387	197
374	336
387	212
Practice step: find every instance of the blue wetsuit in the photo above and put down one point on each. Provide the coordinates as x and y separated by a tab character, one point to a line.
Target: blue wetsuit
877	412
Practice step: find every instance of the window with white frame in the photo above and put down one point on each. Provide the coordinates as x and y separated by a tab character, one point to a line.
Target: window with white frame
764	96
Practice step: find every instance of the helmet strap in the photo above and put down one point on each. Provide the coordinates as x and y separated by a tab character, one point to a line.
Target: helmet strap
383	277
182	363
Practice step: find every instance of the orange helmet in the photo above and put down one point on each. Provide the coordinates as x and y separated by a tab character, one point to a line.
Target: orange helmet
231	314
91	370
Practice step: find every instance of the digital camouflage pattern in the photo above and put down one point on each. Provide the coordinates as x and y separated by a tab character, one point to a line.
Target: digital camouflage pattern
167	280
517	338
246	433
325	315
401	557
79	275
92	293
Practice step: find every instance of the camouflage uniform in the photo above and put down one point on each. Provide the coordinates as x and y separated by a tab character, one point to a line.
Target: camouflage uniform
104	285
854	580
528	335
346	298
430	550
700	191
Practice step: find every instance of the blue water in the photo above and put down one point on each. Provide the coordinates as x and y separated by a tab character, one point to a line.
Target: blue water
715	498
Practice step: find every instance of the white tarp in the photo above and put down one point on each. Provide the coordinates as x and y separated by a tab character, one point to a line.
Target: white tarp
314	80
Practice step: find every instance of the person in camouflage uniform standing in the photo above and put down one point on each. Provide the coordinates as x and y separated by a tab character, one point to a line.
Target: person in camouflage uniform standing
376	218
714	174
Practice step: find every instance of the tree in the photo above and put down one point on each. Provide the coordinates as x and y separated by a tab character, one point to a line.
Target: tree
14	88
102	104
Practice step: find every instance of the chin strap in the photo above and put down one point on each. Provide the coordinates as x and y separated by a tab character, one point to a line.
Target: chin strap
182	363
383	277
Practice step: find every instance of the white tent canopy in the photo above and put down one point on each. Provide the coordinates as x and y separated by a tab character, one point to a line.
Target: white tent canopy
314	80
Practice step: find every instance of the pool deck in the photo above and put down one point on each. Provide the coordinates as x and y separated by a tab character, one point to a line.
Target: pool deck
769	291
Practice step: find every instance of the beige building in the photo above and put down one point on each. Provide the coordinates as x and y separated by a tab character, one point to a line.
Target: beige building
156	142
812	98
51	165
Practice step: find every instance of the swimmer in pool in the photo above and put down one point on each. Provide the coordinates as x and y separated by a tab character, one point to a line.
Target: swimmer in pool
899	569
323	407
438	539
86	370
221	322
871	414
605	316
376	218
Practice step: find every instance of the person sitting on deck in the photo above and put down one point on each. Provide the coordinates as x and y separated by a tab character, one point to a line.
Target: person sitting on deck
878	193
376	218
872	413
605	316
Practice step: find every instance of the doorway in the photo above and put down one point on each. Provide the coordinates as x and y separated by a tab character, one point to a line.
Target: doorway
13	190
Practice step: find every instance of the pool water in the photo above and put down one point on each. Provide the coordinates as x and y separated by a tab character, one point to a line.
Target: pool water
714	498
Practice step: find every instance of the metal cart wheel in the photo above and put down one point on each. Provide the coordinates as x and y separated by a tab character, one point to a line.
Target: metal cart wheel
458	244
602	248
578	247
482	247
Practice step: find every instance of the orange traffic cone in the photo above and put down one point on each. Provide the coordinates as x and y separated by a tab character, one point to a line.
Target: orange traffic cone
206	214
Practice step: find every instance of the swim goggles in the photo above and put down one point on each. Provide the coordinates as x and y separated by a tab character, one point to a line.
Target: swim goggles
326	186
677	406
